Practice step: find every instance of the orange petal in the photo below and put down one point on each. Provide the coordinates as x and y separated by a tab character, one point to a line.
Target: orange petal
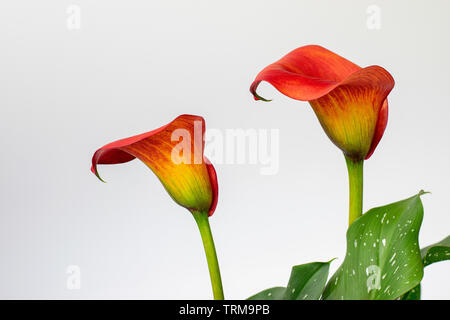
174	153
349	101
305	73
350	113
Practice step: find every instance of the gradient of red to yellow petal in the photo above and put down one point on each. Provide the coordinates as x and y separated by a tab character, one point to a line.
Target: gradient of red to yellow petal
349	101
174	153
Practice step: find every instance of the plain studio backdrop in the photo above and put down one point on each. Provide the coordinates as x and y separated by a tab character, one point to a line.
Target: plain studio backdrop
76	75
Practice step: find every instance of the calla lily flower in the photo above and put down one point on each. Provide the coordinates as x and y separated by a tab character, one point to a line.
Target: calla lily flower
349	101
174	153
187	175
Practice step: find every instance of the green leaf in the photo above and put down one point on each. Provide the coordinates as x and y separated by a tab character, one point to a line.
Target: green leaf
413	294
436	252
433	253
306	282
275	293
383	258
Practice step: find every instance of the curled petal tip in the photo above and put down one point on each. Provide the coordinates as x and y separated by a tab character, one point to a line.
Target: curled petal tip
256	96
95	171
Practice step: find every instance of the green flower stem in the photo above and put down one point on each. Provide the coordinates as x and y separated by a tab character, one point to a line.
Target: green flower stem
205	230
355	175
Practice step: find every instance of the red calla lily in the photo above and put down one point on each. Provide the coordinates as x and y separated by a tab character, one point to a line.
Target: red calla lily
189	179
349	101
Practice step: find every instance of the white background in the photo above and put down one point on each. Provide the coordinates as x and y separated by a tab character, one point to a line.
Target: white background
134	66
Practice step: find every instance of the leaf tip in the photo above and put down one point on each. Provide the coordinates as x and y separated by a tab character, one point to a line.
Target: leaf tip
335	258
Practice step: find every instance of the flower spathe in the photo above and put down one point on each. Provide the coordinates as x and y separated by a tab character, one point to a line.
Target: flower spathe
349	101
174	153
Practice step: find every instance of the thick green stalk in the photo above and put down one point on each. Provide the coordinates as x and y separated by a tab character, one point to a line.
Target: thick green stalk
355	175
213	265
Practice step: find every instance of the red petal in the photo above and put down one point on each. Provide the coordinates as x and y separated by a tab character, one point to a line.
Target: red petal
306	73
112	154
349	101
379	130
192	184
215	186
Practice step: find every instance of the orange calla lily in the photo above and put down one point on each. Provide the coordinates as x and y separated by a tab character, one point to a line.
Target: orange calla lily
349	101
188	176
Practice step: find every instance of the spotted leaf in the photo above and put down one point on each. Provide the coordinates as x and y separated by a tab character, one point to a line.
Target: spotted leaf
306	282
383	258
434	253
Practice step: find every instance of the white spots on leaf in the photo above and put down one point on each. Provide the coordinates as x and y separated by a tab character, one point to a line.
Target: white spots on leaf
393	256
